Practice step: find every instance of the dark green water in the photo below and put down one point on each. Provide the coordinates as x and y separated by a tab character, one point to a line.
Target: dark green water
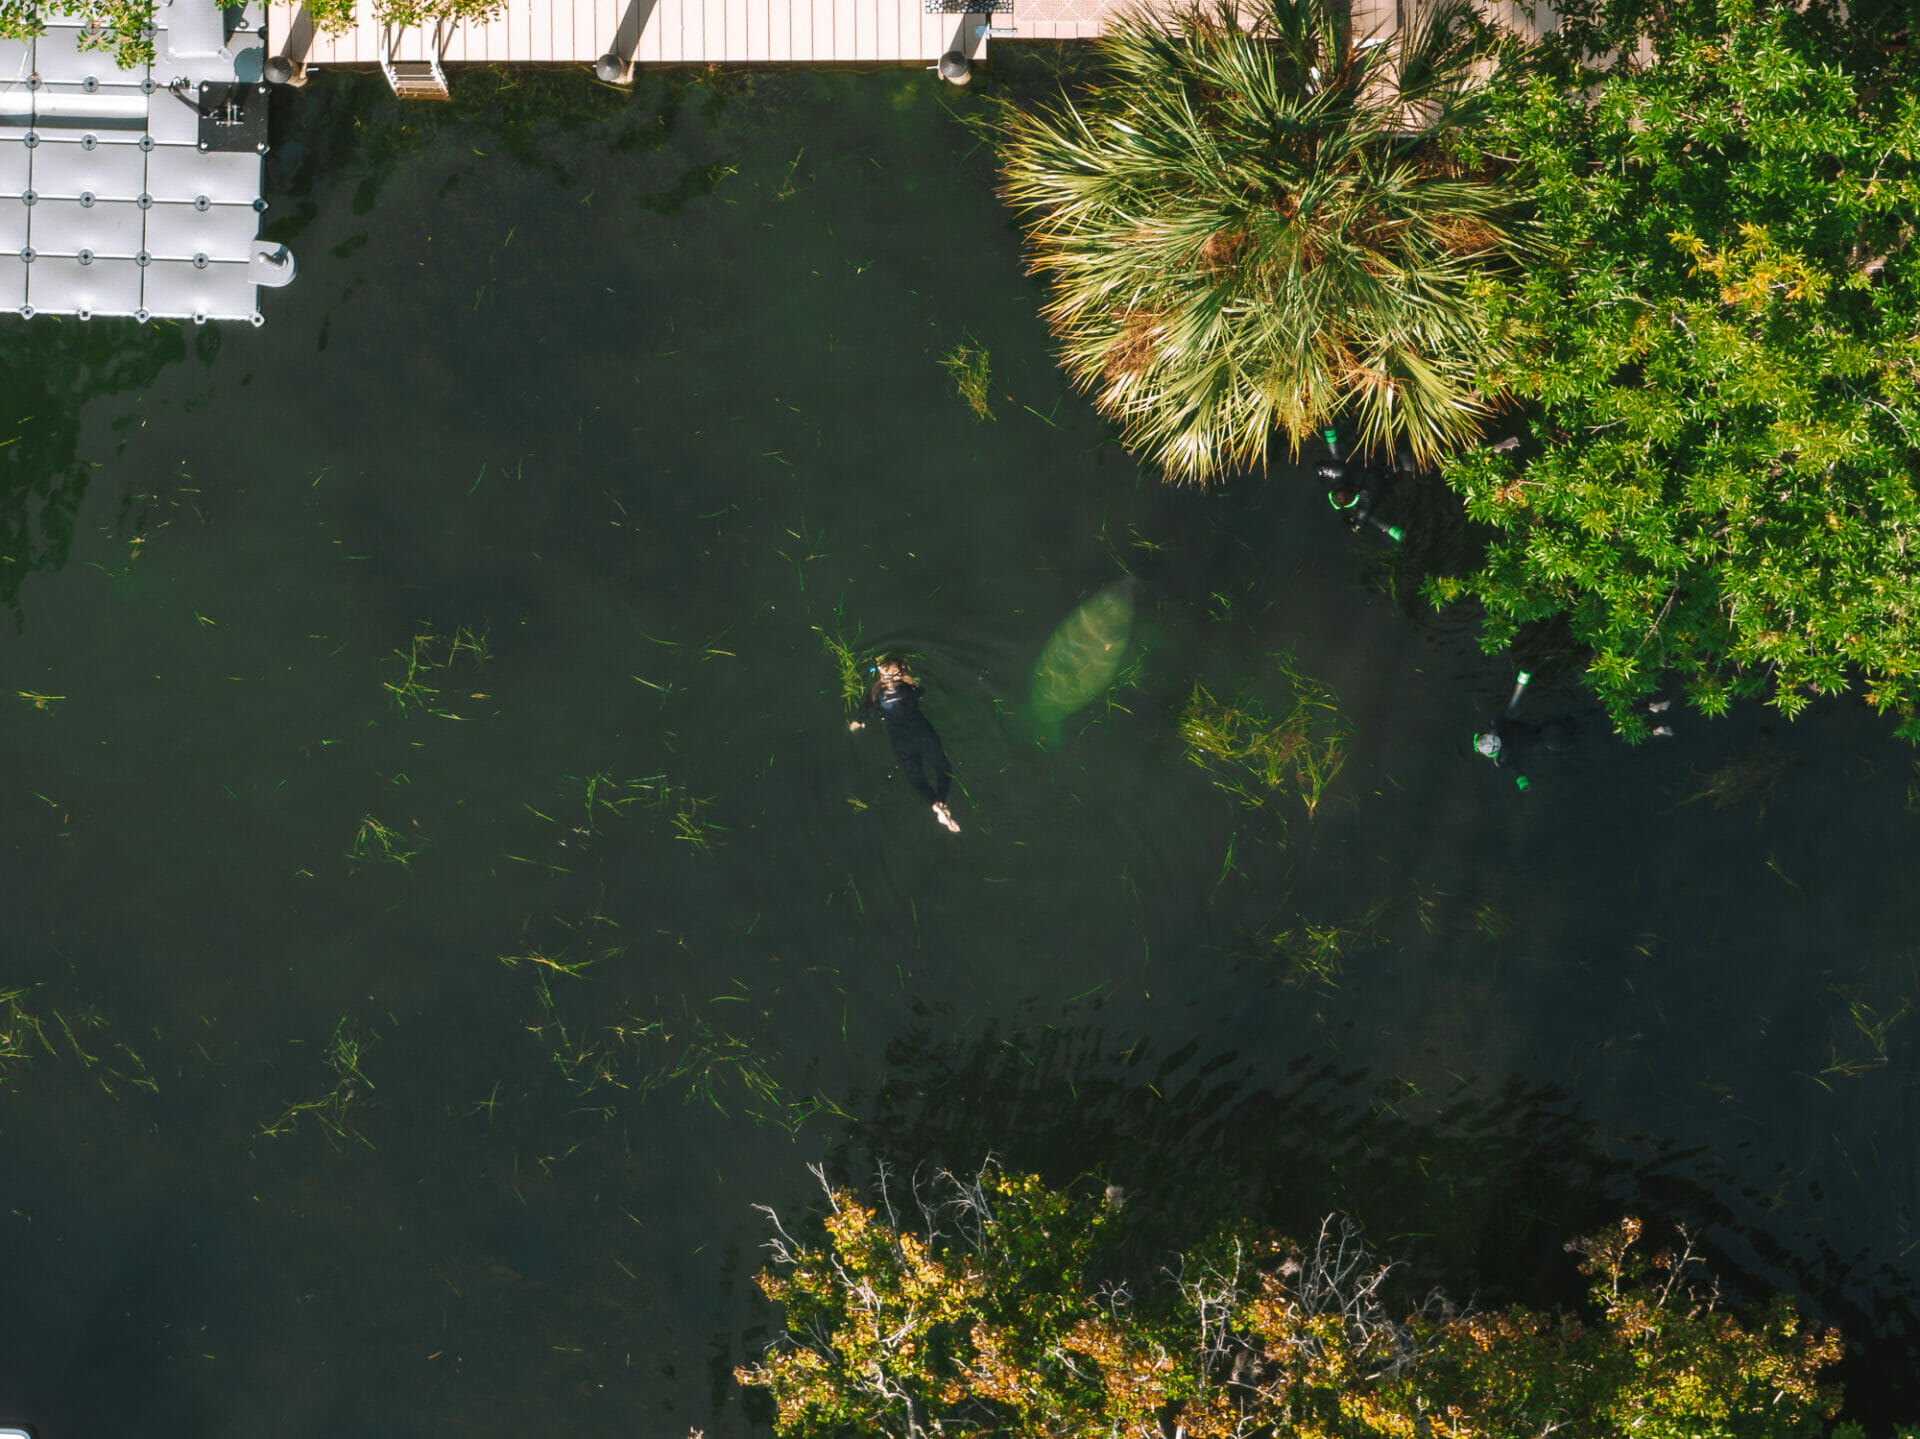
646	398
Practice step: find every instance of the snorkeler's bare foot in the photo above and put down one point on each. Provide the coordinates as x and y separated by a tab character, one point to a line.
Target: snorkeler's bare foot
853	725
945	816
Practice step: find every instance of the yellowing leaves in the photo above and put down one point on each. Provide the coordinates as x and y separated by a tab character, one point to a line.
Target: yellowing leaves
995	1328
1755	272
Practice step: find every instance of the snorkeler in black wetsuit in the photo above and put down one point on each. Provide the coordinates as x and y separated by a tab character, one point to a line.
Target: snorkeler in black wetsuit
1515	744
1350	490
896	694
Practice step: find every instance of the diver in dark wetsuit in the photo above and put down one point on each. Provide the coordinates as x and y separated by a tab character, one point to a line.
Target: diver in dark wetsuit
896	694
1513	743
1351	493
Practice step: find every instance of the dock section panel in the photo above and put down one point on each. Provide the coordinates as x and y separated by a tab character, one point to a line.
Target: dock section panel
137	191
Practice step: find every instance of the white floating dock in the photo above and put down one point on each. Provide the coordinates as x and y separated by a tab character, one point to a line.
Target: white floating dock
137	192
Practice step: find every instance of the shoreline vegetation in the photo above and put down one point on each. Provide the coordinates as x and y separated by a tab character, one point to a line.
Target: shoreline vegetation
993	1305
1685	287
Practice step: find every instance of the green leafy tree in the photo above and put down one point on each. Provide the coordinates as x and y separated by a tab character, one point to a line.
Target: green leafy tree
123	28
1721	366
1249	225
417	12
336	15
994	1311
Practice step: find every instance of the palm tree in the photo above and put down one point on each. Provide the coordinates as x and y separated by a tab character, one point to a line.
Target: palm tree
1250	224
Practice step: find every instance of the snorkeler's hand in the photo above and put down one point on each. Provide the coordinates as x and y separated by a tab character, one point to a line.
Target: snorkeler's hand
853	725
945	816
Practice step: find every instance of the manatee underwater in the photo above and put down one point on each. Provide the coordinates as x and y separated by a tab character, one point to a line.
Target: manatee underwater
1080	659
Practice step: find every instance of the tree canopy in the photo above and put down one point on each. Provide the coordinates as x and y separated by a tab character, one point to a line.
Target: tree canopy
122	27
1249	227
1720	360
126	27
995	1308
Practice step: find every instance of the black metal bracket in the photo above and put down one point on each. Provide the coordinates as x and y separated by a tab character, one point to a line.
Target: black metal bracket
233	117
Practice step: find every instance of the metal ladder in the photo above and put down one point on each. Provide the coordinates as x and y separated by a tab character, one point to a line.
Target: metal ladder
416	79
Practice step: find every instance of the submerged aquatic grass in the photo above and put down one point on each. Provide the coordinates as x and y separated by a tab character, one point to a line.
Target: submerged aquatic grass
1442	917
345	1048
690	825
19	1029
691	1055
806	552
1255	756
704	1062
1125	678
1860	1043
967	364
1316	952
23	1033
428	653
572	969
604	795
376	843
847	656
1750	778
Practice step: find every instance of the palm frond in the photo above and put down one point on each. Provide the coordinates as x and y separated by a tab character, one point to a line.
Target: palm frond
1247	230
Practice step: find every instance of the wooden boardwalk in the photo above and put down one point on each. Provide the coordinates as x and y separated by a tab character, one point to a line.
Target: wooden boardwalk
1086	19
729	32
655	32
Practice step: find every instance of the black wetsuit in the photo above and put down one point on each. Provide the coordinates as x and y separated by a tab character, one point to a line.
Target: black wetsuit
1356	510
1361	489
915	744
1524	745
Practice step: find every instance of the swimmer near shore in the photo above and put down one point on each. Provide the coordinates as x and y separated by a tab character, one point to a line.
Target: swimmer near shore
896	694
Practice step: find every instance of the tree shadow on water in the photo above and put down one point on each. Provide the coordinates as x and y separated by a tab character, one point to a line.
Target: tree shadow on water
49	370
350	129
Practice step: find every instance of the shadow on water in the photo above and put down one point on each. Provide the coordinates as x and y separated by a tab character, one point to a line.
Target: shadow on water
49	372
353	131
